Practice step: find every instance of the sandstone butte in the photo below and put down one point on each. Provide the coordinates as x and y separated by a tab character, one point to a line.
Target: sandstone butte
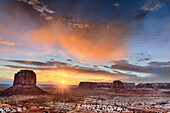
24	84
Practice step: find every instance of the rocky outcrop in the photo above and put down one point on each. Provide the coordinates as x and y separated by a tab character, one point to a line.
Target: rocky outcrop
24	84
118	87
147	85
87	85
117	84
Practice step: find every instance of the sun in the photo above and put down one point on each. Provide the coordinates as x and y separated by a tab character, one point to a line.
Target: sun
62	82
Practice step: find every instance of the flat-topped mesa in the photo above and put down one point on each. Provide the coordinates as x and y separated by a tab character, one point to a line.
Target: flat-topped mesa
25	77
87	85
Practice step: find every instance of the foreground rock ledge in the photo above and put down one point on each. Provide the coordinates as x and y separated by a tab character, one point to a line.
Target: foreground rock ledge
24	84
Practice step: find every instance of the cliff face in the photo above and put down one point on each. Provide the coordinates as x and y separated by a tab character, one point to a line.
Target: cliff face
24	84
118	87
117	84
87	85
25	77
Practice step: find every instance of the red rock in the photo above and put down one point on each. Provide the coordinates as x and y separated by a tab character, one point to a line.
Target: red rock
118	87
25	77
117	84
87	85
24	84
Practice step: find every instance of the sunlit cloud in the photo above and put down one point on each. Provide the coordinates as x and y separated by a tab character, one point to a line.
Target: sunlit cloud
2	42
74	41
38	6
69	59
95	44
58	71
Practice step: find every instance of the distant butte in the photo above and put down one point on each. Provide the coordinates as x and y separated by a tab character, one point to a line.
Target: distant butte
24	84
118	87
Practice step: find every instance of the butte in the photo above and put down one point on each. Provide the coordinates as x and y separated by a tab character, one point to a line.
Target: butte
24	84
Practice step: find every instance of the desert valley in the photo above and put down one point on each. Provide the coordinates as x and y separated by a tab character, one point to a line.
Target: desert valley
24	96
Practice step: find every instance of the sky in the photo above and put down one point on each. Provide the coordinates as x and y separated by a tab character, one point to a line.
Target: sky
85	40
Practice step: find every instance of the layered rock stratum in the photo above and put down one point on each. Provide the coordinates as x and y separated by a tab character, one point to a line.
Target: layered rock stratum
24	84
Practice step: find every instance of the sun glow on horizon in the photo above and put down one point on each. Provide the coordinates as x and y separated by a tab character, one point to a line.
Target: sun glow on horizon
62	82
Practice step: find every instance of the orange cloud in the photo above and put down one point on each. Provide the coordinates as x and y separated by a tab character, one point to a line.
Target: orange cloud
94	44
6	43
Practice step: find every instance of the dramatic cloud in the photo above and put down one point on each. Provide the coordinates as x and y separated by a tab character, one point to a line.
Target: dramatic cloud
53	65
78	71
95	44
60	67
124	65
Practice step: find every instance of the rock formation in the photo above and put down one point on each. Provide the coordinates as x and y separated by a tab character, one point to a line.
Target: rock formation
24	84
147	85
118	87
117	84
25	77
105	85
87	85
